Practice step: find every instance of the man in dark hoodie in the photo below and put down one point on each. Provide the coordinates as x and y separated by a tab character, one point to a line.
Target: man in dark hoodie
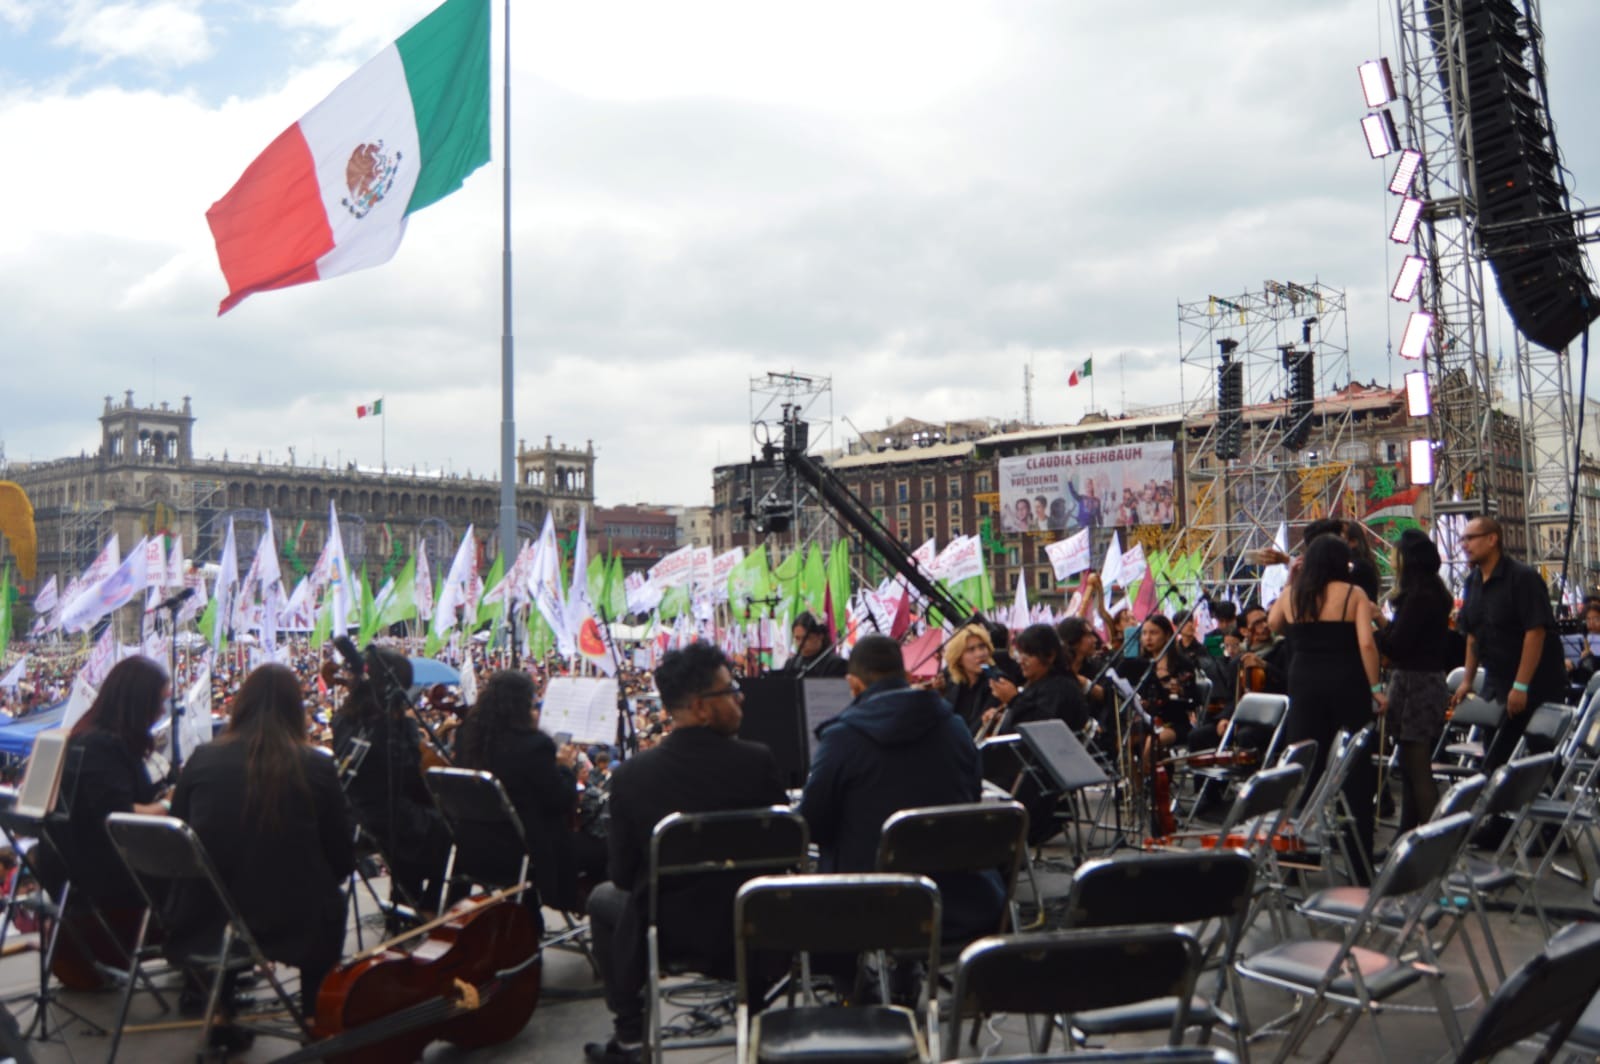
895	747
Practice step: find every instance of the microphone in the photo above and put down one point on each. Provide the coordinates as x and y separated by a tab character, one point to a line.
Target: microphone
351	654
177	600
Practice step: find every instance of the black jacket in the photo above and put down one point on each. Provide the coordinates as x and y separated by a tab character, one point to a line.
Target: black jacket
1419	638
896	747
825	664
100	777
396	749
693	770
544	795
1058	696
968	700
286	877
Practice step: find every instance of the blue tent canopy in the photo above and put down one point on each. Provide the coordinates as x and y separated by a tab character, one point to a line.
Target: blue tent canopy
16	738
425	672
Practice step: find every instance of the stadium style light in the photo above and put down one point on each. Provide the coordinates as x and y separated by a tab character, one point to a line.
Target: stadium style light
1377	82
1405	285
1418	402
1405	172
1405	222
1414	342
1382	136
1422	461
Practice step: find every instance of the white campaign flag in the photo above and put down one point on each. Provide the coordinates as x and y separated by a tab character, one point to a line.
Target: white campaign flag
1134	566
155	563
46	597
1070	556
591	639
1274	578
194	730
174	566
14	675
1111	569
112	593
1020	618
453	592
336	576
422	590
544	586
227	585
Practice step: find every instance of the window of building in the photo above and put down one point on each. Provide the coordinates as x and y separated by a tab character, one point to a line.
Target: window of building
955	510
902	491
905	518
1042	579
927	513
984	509
1013	556
877	491
927	487
953	487
983	482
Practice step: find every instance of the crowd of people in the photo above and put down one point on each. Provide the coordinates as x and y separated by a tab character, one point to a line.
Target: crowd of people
275	812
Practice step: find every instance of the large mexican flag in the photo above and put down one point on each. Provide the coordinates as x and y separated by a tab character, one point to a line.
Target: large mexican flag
332	193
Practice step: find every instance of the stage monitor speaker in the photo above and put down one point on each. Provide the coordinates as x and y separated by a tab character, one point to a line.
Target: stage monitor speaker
773	716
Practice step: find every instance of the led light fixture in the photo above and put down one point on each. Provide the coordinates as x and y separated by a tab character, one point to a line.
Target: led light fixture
1405	222
1405	285
1418	402
1414	342
1377	82
1422	461
1382	137
1405	172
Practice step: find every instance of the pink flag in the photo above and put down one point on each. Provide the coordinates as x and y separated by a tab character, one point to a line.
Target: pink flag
1144	603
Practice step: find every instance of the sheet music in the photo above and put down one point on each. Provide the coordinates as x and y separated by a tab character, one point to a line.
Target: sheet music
1125	689
583	705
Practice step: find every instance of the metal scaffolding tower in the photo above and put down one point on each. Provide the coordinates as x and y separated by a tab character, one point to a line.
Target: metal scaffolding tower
780	506
1289	463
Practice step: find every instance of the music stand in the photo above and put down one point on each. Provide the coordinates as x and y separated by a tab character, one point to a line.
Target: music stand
1060	765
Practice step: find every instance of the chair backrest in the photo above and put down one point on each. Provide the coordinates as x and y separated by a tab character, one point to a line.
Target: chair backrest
158	847
1331	784
1262	797
1161	888
745	841
1547	994
1516	783
1475	712
41	781
1462	797
841	914
1549	726
1302	753
955	838
1069	972
1458	674
1421	856
1259	708
472	796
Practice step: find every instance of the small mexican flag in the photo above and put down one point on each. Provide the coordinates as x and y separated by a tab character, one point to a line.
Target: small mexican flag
1083	371
372	409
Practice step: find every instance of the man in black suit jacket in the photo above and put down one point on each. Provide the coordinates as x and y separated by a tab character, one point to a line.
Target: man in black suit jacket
700	767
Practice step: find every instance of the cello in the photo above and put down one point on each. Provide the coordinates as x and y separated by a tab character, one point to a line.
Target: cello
470	977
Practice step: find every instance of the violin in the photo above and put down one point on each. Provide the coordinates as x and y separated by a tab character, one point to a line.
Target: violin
471	977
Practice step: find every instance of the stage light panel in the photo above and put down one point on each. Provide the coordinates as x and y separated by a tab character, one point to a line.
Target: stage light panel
1422	461
1418	402
1405	285
1414	343
1405	221
1382	137
1405	172
1377	82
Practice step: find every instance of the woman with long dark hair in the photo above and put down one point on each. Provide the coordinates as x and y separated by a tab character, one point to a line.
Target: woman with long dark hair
1333	673
1165	676
387	790
1049	691
500	736
1417	644
105	773
270	812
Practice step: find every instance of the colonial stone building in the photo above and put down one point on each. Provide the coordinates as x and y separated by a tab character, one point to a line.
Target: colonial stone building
145	479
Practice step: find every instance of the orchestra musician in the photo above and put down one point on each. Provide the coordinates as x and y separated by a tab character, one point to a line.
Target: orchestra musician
105	773
1166	686
388	793
500	736
813	650
268	808
962	682
1049	691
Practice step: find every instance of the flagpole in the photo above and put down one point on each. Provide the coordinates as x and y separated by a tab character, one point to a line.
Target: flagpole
508	490
383	435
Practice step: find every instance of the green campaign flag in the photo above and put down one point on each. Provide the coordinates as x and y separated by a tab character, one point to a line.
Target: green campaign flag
813	581
540	637
749	584
839	584
673	602
369	615
402	603
323	628
492	611
595	581
5	610
787	576
616	600
209	628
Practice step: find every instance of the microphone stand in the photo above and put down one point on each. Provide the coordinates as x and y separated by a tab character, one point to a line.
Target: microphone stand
177	710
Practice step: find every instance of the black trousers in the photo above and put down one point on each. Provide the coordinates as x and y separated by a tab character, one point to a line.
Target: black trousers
619	949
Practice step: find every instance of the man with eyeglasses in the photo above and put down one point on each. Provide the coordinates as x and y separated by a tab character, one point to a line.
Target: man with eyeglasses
699	767
1510	629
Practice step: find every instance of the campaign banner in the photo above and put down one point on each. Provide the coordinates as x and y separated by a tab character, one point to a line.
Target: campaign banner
1099	487
675	570
961	560
1070	556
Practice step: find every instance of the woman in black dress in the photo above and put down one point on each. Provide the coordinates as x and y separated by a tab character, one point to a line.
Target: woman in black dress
105	773
1165	677
1333	673
499	736
268	808
1417	644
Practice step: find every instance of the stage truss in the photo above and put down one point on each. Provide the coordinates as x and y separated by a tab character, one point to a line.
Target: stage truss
1233	507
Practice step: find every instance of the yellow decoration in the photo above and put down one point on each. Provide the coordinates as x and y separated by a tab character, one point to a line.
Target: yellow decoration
16	524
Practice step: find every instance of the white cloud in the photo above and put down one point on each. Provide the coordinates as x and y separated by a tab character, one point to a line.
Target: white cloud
18	14
167	33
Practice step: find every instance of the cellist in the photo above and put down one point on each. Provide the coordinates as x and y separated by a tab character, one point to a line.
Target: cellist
269	810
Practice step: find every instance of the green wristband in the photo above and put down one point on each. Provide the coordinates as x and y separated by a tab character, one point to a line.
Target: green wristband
1520	687
1377	688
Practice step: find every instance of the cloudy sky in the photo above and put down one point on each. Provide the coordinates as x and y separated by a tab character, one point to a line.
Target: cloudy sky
917	199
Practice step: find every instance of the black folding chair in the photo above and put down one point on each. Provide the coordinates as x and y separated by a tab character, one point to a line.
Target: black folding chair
974	838
803	915
1213	889
163	848
1256	710
726	848
1067	973
1546	997
1360	979
485	832
1461	745
1152	1055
